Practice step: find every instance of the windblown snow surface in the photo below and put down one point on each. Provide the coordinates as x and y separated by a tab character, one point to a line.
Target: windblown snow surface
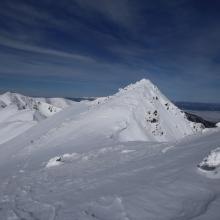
133	155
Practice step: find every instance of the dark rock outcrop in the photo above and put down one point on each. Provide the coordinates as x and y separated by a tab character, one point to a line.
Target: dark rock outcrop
197	119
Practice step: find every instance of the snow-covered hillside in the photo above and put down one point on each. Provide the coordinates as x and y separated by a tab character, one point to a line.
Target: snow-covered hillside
25	102
18	112
130	156
137	112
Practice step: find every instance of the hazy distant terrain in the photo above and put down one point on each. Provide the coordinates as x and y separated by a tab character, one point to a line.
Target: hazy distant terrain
213	116
198	106
210	112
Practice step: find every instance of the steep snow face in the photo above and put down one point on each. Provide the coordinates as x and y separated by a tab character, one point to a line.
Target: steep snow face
141	112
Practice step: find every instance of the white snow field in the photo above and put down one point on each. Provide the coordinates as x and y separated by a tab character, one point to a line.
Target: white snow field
18	113
111	159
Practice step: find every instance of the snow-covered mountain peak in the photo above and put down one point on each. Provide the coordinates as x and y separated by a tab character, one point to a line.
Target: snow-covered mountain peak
133	93
141	112
142	86
141	91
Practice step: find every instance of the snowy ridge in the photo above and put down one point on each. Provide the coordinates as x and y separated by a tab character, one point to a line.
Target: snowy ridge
141	112
25	102
18	113
137	112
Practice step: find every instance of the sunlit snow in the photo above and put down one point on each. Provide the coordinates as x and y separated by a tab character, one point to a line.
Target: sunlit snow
133	155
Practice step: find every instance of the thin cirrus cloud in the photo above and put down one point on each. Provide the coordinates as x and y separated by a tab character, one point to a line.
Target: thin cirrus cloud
99	43
44	51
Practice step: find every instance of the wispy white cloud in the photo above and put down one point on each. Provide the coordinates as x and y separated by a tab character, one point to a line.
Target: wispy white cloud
45	51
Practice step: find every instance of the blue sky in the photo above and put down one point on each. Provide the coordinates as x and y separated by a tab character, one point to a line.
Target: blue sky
92	47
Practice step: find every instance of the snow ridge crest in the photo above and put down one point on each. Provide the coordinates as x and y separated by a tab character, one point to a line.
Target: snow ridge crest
144	84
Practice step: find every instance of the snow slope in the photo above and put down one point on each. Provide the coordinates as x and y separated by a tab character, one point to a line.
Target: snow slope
18	113
108	160
14	122
149	115
53	105
138	112
101	178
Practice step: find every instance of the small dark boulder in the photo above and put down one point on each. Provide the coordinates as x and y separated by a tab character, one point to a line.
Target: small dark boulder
58	159
154	120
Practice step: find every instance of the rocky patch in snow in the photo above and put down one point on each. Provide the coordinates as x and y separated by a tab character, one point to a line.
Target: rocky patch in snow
197	119
59	160
211	163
